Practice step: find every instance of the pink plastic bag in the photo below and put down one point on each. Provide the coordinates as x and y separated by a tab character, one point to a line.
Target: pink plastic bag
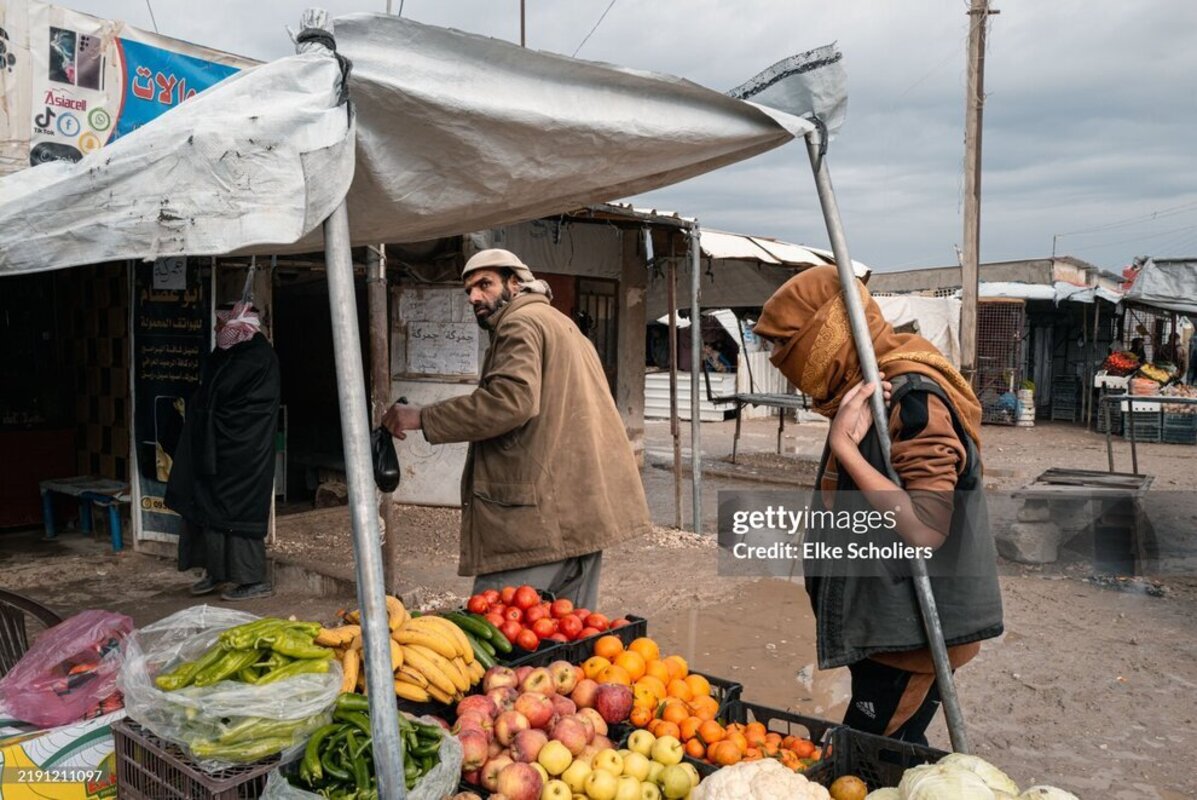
69	673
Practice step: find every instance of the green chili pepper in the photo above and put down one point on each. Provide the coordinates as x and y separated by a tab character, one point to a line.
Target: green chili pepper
349	701
355	718
332	769
295	646
243	752
243	636
185	673
302	667
230	664
311	752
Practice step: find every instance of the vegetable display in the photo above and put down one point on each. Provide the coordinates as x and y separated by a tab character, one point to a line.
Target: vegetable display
525	619
759	780
433	659
963	777
338	760
1121	363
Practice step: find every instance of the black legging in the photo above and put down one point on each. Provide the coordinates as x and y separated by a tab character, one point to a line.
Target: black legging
877	690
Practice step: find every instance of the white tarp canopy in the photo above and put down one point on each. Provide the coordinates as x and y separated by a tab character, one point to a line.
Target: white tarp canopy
451	132
938	319
1170	284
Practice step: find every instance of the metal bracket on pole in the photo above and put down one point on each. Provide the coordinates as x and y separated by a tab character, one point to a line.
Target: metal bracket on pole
816	149
316	31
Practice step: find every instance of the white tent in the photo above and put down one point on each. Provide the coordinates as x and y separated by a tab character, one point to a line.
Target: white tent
1170	284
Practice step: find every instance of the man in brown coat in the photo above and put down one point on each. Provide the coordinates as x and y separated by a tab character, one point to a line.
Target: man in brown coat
550	479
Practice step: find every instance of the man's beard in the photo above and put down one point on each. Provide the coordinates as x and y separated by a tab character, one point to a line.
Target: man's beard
492	308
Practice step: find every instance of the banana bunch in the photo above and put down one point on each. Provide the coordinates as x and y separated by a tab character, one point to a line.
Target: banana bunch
431	657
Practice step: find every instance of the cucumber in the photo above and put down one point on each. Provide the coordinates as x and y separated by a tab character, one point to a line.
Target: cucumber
472	626
497	638
487	646
484	658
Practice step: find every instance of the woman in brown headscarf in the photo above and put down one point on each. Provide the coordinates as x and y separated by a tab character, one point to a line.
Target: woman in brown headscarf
866	611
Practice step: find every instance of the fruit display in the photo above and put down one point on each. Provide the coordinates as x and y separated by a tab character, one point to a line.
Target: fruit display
526	620
1121	363
338	760
433	659
1180	390
759	780
1155	373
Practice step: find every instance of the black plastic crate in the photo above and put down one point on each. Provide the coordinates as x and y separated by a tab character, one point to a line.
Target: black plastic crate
877	760
1179	428
546	654
149	768
583	649
1147	426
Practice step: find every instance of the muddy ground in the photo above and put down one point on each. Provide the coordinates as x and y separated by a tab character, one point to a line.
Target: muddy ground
1091	688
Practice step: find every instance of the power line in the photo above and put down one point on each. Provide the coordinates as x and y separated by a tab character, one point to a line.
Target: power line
595	28
1129	221
1139	238
152	20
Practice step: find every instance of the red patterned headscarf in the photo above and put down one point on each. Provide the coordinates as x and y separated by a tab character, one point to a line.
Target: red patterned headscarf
238	324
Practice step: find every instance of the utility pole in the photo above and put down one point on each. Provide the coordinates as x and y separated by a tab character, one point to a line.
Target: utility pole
522	27
978	14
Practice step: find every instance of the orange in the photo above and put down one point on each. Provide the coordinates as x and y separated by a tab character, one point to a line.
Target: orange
771	749
752	754
655	725
773	738
641	716
643	695
803	748
736	726
594	665
646	647
656	668
790	759
632	662
755	734
614	674
695	748
705	707
689	727
654	685
675	712
677	666
711	732
699	685
608	647
725	753
738	739
667	728
678	689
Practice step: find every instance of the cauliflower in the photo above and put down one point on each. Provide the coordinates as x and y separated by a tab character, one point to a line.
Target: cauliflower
1046	793
942	782
994	778
884	794
765	779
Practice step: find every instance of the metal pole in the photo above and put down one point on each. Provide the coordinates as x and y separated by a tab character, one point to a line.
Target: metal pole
1130	420
675	428
1109	438
380	395
1094	351
355	434
695	369
868	365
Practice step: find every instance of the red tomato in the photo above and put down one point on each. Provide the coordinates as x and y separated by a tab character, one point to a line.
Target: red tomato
561	607
588	632
558	637
492	596
598	622
513	614
534	613
477	605
619	623
570	626
527	639
582	613
544	627
498	608
526	597
511	630
496	619
507	594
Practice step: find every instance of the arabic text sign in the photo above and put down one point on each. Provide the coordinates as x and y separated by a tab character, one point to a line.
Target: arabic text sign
442	348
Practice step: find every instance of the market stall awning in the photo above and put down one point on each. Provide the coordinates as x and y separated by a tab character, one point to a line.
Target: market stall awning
1169	284
450	132
721	245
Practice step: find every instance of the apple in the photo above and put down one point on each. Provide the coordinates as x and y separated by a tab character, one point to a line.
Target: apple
491	770
525	747
472	720
583	693
641	741
497	677
587	726
555	757
508	725
636	765
675	782
587	755
475	748
627	788
480	703
575	775
654	772
565	677
539	680
602	742
521	782
496	748
608	760
695	778
555	790
613	701
597	723
667	750
572	733
527	639
520	674
563	706
649	791
570	626
544	775
601	785
503	697
536	708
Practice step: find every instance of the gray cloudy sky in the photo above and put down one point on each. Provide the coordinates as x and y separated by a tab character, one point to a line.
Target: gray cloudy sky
1089	122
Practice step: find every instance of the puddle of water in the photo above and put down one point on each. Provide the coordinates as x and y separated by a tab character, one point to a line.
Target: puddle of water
763	637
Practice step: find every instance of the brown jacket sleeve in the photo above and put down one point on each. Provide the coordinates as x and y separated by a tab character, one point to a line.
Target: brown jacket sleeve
507	397
928	460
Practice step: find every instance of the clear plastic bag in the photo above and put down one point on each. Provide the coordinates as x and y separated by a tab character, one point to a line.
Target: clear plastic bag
69	674
267	719
440	782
